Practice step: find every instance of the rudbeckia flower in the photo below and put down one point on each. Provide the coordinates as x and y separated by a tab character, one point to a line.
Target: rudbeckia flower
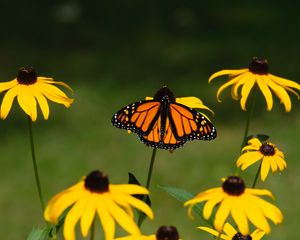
163	233
231	234
95	195
258	73
267	153
31	89
240	202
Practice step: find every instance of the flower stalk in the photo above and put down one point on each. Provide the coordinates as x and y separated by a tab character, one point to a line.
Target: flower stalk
35	168
148	181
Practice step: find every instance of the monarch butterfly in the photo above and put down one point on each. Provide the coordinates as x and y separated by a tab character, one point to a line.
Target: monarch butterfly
164	123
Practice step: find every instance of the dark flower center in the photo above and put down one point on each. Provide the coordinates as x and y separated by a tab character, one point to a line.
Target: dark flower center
267	149
259	66
167	233
234	186
96	181
27	76
239	236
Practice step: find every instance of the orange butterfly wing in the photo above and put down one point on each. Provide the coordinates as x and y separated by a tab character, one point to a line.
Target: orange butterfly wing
188	124
139	117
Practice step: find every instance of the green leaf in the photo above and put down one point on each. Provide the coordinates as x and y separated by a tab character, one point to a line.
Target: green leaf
261	137
182	196
145	198
39	234
61	220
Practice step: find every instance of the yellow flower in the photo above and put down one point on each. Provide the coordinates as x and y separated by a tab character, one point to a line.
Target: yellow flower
94	194
241	202
267	152
29	89
257	72
231	234
163	233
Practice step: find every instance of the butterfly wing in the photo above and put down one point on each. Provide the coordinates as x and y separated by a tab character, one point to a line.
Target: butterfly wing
168	140
139	117
188	124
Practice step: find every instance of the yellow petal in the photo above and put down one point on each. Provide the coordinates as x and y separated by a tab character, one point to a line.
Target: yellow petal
227	84
42	101
73	216
128	189
148	98
199	198
227	72
243	79
210	204
245	92
213	232
281	93
259	192
238	215
88	215
255	215
265	168
249	148
229	230
54	94
125	221
27	101
279	162
139	205
118	199
8	85
261	82
284	82
7	101
269	210
255	142
257	234
222	214
193	102
248	158
59	203
107	221
51	81
272	164
292	91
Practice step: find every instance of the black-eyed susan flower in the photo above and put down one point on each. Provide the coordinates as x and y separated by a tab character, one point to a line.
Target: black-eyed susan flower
269	155
163	233
30	90
231	234
258	73
92	196
240	202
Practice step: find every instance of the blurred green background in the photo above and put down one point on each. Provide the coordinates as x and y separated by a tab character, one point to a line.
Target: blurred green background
118	52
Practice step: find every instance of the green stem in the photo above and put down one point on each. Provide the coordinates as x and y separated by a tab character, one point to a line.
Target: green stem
92	236
150	168
148	182
250	113
256	176
36	174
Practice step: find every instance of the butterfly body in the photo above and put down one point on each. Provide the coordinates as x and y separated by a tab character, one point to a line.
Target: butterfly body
164	123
